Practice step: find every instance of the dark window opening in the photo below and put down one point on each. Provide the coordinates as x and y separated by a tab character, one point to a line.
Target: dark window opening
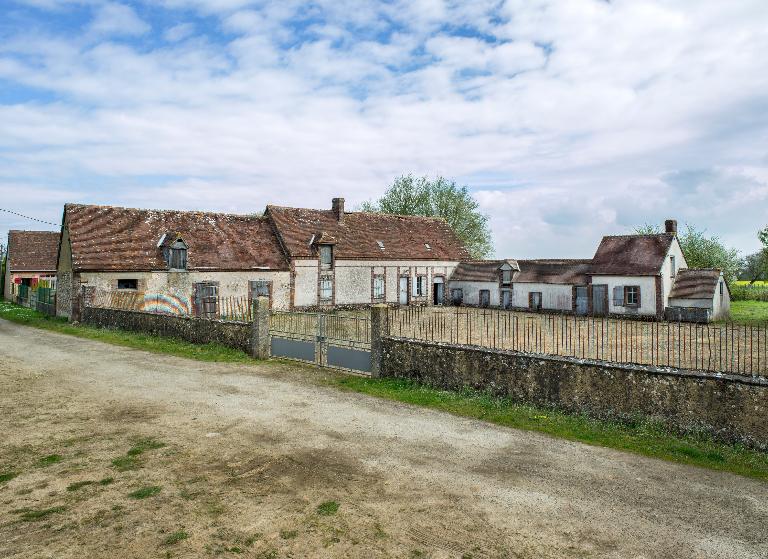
534	300
506	277
127	284
457	296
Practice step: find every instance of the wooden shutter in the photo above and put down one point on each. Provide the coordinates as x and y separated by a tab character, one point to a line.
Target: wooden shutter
638	297
618	296
196	299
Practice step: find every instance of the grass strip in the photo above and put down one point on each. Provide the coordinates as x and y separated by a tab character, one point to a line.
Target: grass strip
155	344
639	436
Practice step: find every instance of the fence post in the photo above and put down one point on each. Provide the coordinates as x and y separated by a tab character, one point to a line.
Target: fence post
260	343
379	329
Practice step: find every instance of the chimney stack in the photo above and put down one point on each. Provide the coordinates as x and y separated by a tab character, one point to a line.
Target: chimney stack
670	226
337	205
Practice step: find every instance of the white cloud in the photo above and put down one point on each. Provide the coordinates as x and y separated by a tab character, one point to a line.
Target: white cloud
118	19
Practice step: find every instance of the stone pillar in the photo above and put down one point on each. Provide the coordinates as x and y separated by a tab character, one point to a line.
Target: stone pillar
260	342
379	329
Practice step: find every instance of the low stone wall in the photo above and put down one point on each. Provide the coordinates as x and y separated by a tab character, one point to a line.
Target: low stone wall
687	314
730	407
195	330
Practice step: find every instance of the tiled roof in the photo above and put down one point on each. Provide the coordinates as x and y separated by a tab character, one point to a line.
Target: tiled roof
482	270
564	271
695	284
108	238
32	251
403	237
631	255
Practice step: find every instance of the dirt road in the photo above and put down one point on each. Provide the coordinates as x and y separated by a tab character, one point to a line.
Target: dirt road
250	452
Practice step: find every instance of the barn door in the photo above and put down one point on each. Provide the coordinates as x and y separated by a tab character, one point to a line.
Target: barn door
206	297
600	300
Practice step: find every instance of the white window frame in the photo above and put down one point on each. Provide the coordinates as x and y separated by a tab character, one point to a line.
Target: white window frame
632	296
420	286
326	251
378	286
326	289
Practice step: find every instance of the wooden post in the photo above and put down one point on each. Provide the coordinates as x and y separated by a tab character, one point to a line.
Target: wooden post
260	342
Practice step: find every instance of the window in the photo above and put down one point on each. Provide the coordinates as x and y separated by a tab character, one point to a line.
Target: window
457	296
632	296
326	289
534	300
672	267
506	277
381	244
485	298
721	289
177	256
326	257
420	286
259	288
378	287
127	284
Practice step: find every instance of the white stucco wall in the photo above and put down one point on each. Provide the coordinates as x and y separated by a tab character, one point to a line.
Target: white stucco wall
472	289
647	286
667	280
231	284
352	280
553	296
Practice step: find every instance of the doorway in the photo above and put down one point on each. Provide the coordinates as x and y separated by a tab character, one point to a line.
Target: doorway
403	299
600	300
438	291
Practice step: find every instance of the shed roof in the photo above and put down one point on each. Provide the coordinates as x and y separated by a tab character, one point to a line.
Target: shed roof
358	235
562	271
478	270
631	255
109	238
695	283
32	251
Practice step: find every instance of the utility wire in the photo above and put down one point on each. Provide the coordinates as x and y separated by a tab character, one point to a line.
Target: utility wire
27	217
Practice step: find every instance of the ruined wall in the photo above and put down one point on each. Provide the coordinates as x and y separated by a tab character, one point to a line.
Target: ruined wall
194	330
730	407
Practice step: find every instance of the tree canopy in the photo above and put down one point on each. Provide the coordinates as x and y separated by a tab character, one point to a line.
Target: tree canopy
701	251
439	197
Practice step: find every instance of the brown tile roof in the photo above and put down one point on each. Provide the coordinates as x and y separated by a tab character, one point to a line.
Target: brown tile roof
563	271
631	255
695	284
403	237
481	270
32	251
108	238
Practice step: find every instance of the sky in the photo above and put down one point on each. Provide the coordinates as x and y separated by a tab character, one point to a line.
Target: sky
567	120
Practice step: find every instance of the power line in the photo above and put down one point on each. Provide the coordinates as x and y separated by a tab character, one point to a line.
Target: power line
27	217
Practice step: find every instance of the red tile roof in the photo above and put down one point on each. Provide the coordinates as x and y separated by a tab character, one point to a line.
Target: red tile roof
32	251
631	255
108	238
561	271
695	284
403	237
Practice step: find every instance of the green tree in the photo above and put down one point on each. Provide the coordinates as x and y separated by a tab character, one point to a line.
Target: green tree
755	267
702	251
409	195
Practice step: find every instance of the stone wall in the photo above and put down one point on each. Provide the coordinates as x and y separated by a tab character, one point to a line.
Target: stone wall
195	330
730	407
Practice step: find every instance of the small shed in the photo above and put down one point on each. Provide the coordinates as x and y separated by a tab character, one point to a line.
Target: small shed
699	295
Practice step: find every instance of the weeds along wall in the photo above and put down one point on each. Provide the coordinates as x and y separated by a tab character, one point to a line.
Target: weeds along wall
732	408
194	330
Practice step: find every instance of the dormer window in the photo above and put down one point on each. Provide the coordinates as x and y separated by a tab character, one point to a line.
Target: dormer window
381	244
506	275
326	257
177	256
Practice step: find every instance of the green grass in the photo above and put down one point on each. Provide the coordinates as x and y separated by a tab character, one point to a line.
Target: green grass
79	485
145	492
155	344
106	481
131	460
749	312
328	508
49	460
641	436
125	463
175	538
288	534
29	515
7	476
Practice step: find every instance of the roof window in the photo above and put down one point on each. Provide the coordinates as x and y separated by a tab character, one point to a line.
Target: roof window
427	245
381	244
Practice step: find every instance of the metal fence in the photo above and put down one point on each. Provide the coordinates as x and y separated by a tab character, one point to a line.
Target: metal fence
236	309
721	347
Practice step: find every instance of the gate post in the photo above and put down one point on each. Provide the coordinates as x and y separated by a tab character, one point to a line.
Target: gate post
260	329
379	329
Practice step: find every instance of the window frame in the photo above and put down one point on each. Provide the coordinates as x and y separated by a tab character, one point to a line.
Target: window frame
629	289
325	284
322	249
420	286
379	287
506	282
135	284
531	295
672	266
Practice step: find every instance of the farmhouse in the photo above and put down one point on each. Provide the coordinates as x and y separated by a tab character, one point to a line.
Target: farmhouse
176	262
340	258
31	261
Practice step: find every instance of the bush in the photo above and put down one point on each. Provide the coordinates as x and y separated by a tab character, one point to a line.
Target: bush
755	292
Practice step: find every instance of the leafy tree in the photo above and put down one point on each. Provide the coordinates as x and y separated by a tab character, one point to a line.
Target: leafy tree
755	267
702	251
409	195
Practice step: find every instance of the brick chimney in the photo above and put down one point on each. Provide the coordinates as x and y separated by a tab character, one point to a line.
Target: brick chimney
337	205
670	226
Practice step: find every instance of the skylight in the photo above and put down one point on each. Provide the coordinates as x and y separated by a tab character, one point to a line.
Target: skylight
381	244
427	245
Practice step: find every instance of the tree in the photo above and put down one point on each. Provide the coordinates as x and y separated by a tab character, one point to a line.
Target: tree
409	195
701	251
755	267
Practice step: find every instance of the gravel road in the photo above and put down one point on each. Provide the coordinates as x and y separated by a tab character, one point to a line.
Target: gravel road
253	449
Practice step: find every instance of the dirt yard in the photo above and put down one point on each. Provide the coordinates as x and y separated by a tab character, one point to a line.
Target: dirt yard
120	453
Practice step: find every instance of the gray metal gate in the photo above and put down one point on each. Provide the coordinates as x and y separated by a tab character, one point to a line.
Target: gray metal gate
330	340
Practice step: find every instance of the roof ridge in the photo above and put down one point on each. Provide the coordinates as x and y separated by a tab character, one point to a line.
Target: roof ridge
360	212
204	212
662	234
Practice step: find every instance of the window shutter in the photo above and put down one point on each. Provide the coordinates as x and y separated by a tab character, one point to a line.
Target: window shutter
196	298
638	297
618	296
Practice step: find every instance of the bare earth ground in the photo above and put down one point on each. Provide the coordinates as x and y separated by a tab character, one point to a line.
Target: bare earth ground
251	451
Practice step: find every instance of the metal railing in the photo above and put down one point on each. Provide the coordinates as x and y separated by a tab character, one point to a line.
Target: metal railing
721	347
